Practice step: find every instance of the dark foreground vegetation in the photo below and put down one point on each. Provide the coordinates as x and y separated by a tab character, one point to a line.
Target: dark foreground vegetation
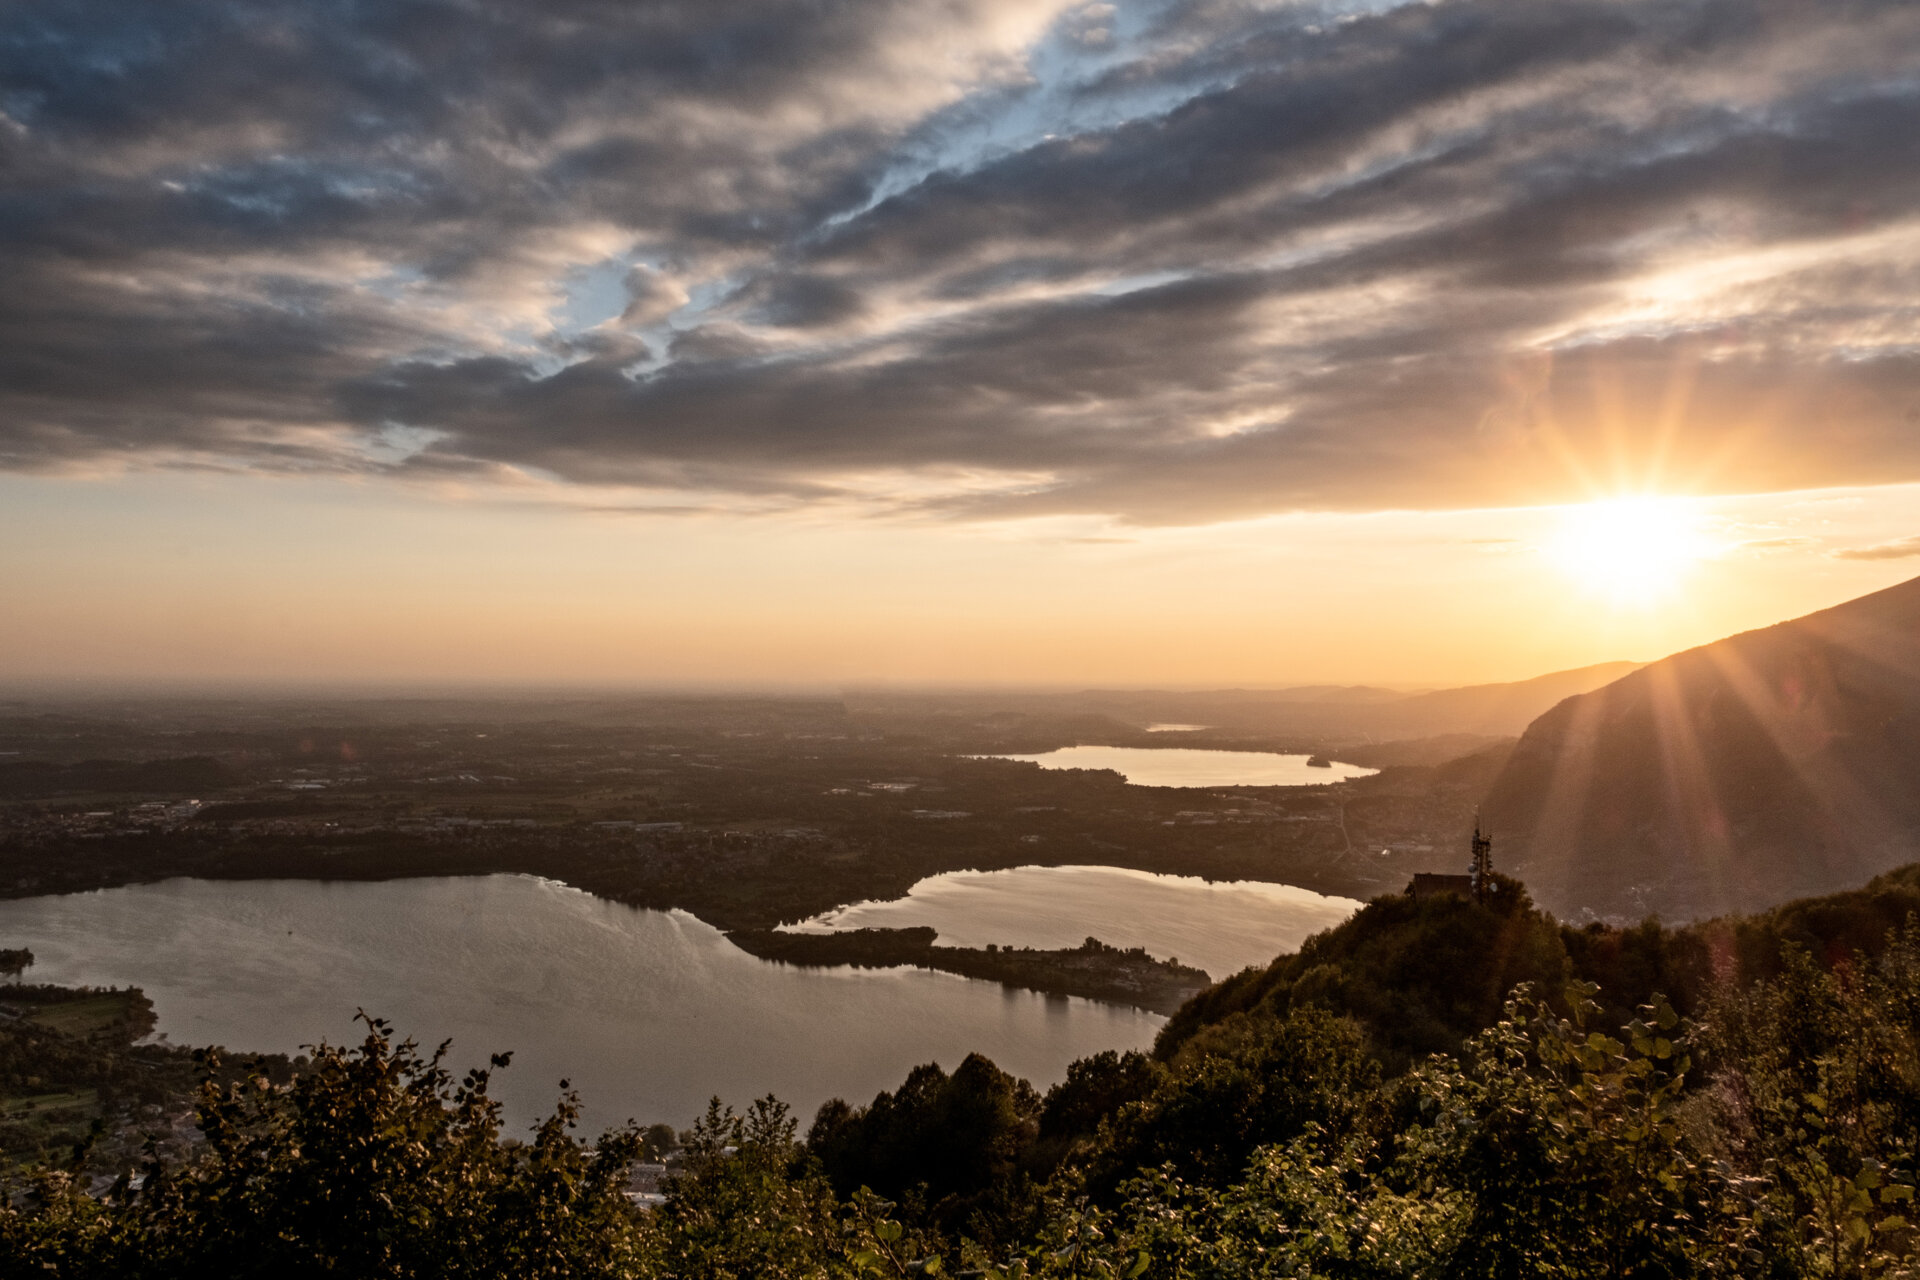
1437	1089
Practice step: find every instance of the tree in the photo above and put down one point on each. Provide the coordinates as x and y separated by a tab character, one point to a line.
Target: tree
373	1162
749	1204
15	961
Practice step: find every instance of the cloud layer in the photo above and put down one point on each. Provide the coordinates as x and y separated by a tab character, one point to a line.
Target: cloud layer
1173	261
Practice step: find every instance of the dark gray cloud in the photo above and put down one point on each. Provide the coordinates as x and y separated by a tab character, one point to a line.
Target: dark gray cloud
1174	261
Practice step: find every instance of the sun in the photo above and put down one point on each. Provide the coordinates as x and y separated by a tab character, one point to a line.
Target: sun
1634	550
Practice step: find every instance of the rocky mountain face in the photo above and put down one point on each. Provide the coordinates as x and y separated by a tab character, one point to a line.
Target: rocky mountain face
1774	764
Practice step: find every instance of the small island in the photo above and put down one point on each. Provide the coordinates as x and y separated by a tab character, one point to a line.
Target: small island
1319	762
1093	969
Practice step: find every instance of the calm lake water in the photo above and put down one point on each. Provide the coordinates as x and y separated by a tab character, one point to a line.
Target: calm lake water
1192	767
649	1013
1221	927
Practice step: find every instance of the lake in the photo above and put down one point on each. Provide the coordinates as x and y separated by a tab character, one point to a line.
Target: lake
649	1013
1220	926
1194	767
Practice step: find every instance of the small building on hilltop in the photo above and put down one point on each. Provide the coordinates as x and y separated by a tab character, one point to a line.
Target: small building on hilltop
1433	885
1476	884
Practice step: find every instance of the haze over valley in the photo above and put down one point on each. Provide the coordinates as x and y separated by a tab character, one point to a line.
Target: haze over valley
962	840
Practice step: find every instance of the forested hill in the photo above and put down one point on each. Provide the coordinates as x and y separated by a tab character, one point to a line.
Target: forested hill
1766	766
1420	977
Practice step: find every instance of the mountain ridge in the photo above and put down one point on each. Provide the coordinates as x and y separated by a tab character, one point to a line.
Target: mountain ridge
1771	764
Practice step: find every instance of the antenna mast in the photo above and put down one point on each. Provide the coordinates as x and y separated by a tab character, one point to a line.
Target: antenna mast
1481	872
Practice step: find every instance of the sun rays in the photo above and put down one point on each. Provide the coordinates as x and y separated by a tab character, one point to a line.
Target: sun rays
1634	550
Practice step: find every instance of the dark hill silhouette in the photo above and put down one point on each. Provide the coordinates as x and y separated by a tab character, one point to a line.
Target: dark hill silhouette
1770	765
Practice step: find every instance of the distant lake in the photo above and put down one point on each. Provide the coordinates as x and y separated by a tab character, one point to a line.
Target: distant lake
1192	767
1222	927
649	1013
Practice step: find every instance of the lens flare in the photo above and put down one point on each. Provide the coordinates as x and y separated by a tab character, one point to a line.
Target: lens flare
1633	550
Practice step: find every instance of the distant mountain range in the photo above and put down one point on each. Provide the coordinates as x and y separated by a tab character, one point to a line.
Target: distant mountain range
1500	709
1361	711
1771	765
1330	716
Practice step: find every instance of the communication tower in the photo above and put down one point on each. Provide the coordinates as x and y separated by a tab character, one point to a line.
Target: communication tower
1481	872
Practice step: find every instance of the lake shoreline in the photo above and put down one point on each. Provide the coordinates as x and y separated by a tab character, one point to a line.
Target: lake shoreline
1196	768
1092	971
1119	978
649	1013
1220	927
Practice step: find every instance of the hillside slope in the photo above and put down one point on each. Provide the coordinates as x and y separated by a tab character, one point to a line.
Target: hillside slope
1770	765
1502	709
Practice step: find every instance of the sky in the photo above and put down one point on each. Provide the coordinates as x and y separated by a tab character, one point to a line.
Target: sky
1181	342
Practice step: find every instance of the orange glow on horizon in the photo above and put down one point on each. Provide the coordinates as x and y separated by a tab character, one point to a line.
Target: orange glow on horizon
215	579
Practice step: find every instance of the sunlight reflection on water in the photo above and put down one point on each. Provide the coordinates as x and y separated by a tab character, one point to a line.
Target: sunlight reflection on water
648	1013
1221	926
1194	767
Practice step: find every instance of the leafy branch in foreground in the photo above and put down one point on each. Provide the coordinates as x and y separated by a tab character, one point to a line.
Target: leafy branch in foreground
375	1161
